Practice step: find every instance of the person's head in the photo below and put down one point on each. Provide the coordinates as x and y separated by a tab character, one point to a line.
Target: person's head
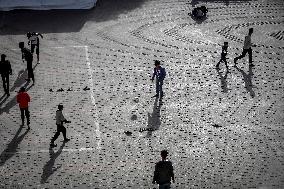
21	45
164	154
3	56
157	63
22	89
29	34
250	31
60	107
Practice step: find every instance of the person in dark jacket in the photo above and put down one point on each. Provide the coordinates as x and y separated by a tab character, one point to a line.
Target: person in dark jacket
223	56
23	99
164	172
28	56
60	119
160	74
5	71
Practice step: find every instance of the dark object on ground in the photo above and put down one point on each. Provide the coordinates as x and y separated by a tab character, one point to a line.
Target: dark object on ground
60	90
216	125
50	90
128	133
86	88
145	129
69	89
199	12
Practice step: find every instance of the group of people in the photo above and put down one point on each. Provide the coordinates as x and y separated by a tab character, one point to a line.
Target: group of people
163	174
246	49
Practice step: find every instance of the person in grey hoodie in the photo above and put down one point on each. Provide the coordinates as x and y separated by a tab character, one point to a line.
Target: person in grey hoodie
60	119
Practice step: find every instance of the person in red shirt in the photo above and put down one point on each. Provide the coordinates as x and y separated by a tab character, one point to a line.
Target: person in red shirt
23	99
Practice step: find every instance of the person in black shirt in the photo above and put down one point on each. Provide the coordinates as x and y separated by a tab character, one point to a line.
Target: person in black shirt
223	56
28	56
164	172
5	71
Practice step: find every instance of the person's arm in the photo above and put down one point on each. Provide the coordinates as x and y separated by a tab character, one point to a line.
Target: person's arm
155	175
172	173
40	35
10	68
154	73
63	119
28	97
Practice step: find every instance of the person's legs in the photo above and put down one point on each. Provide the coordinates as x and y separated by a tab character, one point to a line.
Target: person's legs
27	113
241	56
56	134
32	48
157	87
165	186
22	115
226	63
161	88
4	82
63	130
250	56
37	53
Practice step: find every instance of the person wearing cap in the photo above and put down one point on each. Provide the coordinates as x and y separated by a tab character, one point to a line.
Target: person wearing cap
60	119
34	42
28	56
23	99
164	172
160	74
5	71
246	48
223	55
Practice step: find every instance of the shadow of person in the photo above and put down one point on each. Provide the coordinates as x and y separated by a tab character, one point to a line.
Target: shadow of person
248	80
13	101
12	146
223	79
154	121
49	168
3	99
20	79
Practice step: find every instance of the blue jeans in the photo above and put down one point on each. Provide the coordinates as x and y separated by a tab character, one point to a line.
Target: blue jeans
159	87
165	186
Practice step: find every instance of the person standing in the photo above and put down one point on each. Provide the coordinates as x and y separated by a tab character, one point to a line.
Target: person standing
34	42
223	55
246	48
160	74
164	172
23	99
60	119
5	71
27	55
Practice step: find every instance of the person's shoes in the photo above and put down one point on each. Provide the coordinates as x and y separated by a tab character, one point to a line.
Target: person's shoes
8	94
66	140
52	145
156	96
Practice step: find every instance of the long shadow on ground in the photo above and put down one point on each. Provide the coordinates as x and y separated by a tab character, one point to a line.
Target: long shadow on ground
18	22
226	2
248	80
154	119
49	168
11	149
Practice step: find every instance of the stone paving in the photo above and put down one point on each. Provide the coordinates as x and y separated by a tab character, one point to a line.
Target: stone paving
222	130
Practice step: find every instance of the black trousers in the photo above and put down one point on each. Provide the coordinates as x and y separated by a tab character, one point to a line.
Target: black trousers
245	51
223	59
30	70
60	129
25	112
5	79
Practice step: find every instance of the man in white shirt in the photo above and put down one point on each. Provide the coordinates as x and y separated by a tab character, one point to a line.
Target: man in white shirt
246	48
60	128
34	42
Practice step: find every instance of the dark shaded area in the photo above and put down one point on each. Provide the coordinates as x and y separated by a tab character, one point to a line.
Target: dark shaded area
19	22
154	119
198	21
20	80
49	168
248	80
226	2
223	79
11	149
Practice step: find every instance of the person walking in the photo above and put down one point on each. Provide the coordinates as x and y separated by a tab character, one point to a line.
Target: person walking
34	42
223	56
246	48
23	99
164	172
60	119
5	71
160	74
27	55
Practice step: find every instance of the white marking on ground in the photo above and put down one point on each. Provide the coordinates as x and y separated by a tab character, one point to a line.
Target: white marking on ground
90	76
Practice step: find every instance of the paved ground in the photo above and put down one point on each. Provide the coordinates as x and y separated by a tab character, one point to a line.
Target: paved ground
111	49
